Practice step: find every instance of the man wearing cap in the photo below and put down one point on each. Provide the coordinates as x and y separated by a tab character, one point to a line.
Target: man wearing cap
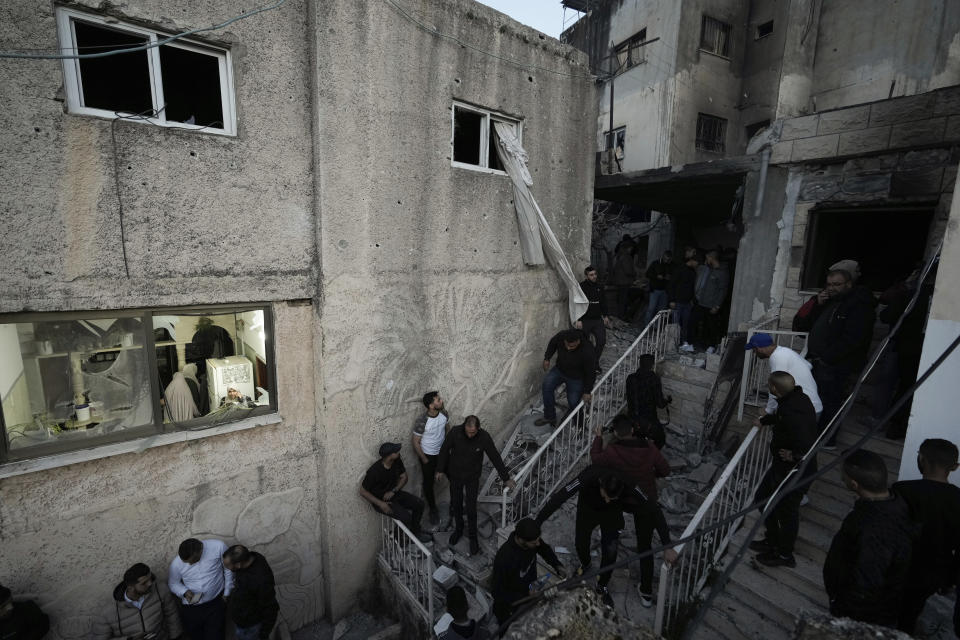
785	359
515	567
575	368
382	485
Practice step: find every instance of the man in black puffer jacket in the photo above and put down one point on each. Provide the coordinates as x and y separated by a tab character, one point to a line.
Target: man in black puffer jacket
867	564
794	432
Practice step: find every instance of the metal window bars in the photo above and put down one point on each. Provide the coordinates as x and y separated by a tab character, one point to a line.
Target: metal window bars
711	133
756	371
550	465
680	584
409	564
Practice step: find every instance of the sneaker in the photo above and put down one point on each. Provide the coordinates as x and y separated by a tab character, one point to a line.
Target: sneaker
605	596
774	559
646	599
762	546
474	546
829	446
804	501
434	517
542	421
687	347
455	537
711	350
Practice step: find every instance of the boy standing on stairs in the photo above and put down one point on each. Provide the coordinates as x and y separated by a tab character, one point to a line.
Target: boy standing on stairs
794	432
935	504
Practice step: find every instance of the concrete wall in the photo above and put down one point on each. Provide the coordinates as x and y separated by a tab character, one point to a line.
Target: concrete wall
868	51
423	282
390	271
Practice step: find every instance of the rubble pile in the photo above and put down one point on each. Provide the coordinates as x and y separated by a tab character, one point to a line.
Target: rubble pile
577	614
812	626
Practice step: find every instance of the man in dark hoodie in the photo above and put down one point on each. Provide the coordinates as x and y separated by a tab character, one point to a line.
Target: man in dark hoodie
644	393
680	293
710	291
867	564
595	320
576	369
641	463
840	323
142	608
461	459
252	605
21	620
515	567
935	504
794	426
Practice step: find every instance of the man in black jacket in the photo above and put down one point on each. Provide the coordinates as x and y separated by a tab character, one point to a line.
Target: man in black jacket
680	294
868	560
252	604
794	432
935	504
515	567
841	328
576	369
594	321
21	620
658	278
461	459
644	393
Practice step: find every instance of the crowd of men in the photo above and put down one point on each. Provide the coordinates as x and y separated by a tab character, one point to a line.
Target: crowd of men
208	582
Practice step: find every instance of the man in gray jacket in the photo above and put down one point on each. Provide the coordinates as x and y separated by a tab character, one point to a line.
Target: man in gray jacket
710	289
142	608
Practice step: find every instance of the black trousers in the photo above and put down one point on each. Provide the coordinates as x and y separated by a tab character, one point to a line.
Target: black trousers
831	382
429	470
644	524
911	606
205	621
407	508
459	487
594	327
610	523
706	329
783	523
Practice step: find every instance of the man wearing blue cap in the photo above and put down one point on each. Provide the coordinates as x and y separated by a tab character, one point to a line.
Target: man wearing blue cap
785	359
381	488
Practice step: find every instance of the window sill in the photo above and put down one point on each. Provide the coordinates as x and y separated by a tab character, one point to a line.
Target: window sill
715	55
137	445
477	168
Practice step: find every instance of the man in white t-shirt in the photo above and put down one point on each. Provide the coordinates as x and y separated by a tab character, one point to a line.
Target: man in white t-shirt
429	430
786	359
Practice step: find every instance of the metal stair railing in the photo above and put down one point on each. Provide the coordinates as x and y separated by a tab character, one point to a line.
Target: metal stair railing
409	564
681	583
756	371
549	466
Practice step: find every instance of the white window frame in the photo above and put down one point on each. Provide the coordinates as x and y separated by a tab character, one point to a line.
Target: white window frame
66	19
489	117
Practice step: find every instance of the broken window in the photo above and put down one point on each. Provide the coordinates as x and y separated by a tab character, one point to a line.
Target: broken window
711	133
756	127
615	139
76	380
182	84
630	52
887	242
765	29
715	37
475	138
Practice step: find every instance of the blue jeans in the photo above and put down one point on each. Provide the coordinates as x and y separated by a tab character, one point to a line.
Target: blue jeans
656	302
249	633
551	381
681	315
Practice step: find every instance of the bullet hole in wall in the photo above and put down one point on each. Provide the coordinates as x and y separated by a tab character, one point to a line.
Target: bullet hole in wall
377	245
129	167
457	80
36	129
447	229
530	78
398	202
193	154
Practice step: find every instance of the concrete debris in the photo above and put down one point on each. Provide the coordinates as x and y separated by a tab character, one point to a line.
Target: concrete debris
704	473
577	614
812	626
673	500
694	459
690	361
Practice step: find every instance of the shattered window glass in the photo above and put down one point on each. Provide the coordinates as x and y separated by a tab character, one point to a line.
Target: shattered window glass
467	127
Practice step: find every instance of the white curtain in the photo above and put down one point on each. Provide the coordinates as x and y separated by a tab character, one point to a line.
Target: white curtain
536	237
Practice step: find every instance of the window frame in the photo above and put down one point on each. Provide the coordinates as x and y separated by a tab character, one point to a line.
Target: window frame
611	135
723	122
760	36
73	81
631	44
722	27
157	427
489	116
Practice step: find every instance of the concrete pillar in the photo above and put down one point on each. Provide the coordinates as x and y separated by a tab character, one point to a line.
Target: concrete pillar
765	241
660	238
934	413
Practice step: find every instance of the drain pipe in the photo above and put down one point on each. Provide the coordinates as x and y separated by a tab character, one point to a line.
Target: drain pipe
762	185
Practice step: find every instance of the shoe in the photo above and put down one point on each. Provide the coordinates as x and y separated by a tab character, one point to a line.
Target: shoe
542	421
646	599
605	596
829	446
424	537
687	347
434	518
711	350
774	559
762	546
804	501
474	546
455	537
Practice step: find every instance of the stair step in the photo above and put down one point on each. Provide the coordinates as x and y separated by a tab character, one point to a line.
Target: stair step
775	604
781	587
753	624
717	626
813	541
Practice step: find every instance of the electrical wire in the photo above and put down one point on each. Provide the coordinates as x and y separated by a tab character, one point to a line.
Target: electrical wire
797	481
436	32
103	54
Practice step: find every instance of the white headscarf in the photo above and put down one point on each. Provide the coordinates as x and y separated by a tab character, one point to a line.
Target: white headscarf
190	373
179	400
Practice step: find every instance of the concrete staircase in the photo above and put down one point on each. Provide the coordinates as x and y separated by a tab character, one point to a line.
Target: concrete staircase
760	603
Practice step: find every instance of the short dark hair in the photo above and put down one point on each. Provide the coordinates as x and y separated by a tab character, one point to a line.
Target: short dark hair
237	554
428	397
588	269
612	484
457	602
189	548
571	335
5	594
527	529
132	575
846	275
623	425
713	253
783	382
939	453
646	362
668	254
867	469
474	420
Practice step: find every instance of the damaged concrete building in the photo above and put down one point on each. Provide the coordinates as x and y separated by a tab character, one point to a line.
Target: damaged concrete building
306	205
